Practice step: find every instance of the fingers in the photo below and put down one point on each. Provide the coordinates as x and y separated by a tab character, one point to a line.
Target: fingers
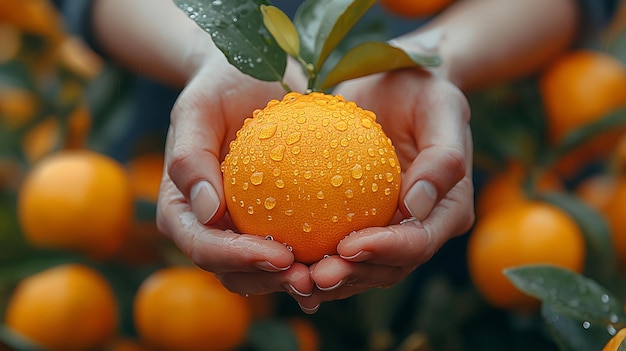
444	158
214	249
294	280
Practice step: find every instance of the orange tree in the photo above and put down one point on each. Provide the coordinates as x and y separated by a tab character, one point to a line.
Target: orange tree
86	106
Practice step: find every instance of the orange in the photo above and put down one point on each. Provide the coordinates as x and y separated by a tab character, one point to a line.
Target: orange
581	87
145	172
42	139
306	334
525	233
597	190
414	8
17	107
67	307
308	170
186	309
76	200
615	341
507	187
614	212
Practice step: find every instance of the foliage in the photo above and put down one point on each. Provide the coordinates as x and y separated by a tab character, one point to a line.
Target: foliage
436	308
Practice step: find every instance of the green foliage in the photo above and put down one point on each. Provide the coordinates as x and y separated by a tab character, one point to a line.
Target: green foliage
318	29
581	313
600	259
236	28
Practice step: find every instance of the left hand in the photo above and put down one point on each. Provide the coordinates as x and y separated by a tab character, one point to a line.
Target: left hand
427	118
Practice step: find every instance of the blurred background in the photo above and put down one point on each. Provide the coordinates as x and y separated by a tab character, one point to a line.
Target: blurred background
534	138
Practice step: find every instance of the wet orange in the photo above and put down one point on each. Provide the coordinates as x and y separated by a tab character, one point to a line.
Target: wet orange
308	170
525	233
615	341
76	200
187	309
64	308
414	8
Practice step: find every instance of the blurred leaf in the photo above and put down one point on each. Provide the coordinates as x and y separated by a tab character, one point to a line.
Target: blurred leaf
601	262
323	24
145	210
271	335
583	134
281	28
570	334
12	341
374	57
622	346
568	293
236	27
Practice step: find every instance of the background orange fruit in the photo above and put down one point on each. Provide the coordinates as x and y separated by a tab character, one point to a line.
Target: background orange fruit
414	8
507	187
525	233
76	200
306	333
186	309
65	308
614	210
578	88
308	170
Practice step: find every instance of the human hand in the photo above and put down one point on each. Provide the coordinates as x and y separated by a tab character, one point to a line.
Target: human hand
191	206
427	118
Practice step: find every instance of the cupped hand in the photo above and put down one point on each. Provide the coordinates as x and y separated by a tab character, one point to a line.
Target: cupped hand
191	208
427	118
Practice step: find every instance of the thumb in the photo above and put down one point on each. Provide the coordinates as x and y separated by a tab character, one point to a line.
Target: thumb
192	155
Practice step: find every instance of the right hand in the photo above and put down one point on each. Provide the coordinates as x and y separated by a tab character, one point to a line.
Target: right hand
191	208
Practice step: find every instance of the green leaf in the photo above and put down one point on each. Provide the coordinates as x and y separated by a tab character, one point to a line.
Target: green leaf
281	28
570	334
622	346
568	293
237	29
585	133
323	24
10	340
271	335
374	57
601	262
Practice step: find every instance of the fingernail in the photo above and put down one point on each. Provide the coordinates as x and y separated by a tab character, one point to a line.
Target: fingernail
296	291
204	201
269	267
359	256
308	310
339	283
420	199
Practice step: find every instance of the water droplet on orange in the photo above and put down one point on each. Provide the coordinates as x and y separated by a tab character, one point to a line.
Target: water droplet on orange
389	177
366	122
293	138
277	153
341	126
308	174
320	195
335	219
374	187
250	210
280	183
267	131
270	203
349	193
336	180
256	178
357	171
245	185
295	150
306	227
